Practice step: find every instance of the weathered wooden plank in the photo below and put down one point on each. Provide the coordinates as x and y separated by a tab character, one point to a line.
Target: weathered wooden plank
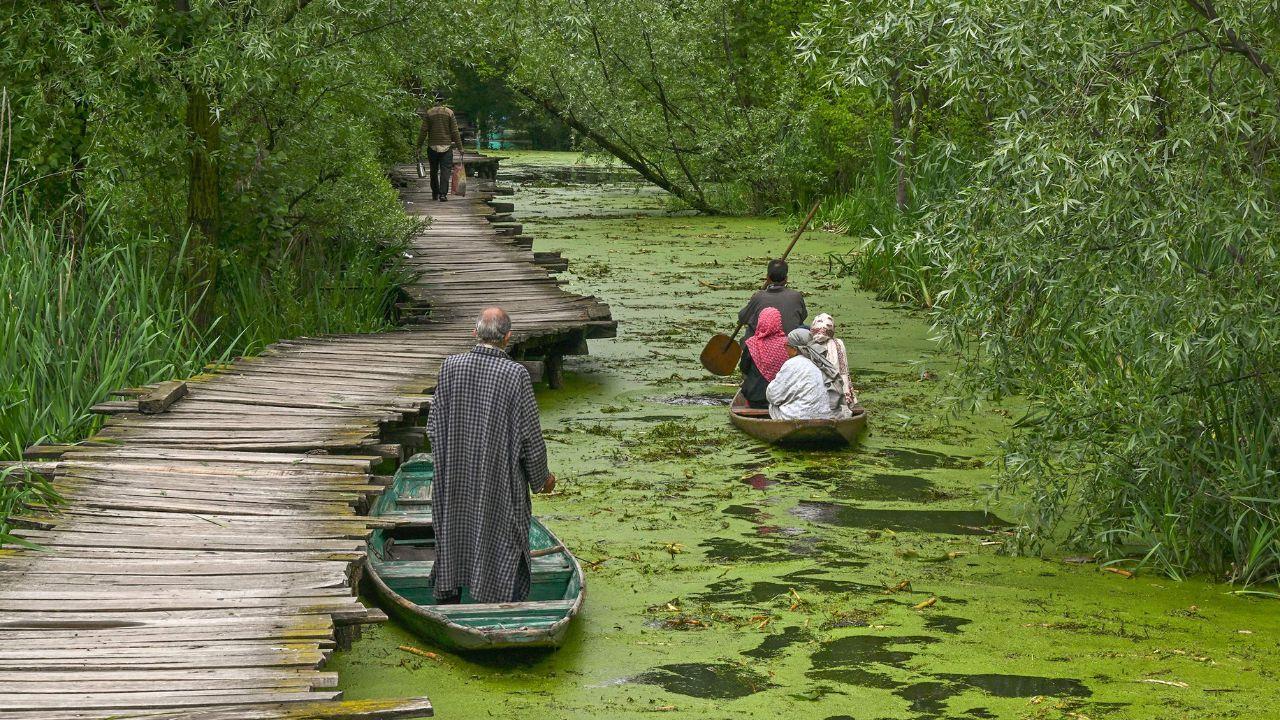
165	394
156	700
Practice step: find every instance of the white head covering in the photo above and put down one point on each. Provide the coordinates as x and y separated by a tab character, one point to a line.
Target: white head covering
823	328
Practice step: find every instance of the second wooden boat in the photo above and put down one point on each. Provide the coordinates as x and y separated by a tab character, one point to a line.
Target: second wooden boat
399	567
758	424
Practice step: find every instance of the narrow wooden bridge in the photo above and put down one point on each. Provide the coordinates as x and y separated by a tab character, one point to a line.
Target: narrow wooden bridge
204	565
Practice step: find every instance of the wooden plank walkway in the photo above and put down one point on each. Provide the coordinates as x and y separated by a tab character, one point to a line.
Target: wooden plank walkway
203	567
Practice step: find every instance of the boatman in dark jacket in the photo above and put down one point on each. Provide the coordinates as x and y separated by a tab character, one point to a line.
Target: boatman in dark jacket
487	444
790	304
775	294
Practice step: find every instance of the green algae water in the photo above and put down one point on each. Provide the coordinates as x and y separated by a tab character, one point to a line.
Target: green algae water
729	579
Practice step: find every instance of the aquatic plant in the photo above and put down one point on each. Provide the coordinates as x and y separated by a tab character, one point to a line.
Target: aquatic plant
21	490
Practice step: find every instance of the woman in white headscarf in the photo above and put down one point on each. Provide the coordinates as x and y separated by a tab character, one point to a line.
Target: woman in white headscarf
824	337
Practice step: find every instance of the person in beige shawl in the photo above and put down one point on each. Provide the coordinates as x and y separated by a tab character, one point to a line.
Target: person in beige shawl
824	337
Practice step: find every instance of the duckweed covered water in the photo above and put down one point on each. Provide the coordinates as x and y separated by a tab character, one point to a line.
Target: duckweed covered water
728	579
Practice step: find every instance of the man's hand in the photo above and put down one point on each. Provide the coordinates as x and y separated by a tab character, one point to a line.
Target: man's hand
549	484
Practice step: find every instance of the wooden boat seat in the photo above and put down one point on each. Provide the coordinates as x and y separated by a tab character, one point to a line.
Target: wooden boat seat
549	565
532	615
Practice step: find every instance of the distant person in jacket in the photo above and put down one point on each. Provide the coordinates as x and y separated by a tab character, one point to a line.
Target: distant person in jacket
776	294
440	132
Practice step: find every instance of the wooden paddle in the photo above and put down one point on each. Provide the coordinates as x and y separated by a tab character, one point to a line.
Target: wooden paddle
721	354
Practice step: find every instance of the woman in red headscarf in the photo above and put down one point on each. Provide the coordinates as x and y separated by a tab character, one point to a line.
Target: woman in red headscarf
762	356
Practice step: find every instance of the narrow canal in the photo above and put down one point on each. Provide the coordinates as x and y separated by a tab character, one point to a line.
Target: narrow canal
727	579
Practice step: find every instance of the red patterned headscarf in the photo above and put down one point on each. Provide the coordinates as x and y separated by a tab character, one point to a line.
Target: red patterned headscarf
768	347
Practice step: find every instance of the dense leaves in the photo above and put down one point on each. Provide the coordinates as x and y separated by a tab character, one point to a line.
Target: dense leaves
1113	255
702	97
192	178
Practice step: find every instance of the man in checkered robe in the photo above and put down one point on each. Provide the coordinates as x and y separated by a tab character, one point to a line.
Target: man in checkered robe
488	450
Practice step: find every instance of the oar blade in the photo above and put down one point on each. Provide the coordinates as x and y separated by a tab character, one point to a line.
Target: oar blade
721	355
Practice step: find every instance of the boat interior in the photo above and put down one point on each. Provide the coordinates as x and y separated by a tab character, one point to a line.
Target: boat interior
403	557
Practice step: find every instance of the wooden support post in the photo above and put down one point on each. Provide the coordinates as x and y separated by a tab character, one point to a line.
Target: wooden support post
553	370
536	368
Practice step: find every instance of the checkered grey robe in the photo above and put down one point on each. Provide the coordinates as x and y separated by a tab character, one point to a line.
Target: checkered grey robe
488	449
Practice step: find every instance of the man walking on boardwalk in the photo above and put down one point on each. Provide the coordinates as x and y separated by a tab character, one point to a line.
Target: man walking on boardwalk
487	444
440	131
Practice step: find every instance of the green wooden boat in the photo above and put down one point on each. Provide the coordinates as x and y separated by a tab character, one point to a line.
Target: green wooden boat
399	566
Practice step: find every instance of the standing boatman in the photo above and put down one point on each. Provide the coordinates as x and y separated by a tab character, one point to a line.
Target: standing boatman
487	445
776	294
440	131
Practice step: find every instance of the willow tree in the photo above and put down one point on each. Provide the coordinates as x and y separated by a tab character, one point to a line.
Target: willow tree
698	96
1115	258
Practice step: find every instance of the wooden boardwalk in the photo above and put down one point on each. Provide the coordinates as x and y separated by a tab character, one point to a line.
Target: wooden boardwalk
204	564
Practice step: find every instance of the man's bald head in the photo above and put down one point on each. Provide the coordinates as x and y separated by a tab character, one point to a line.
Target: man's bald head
494	326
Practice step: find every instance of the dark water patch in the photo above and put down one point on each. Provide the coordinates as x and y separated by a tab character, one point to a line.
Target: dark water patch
705	680
941	522
946	623
808	546
929	699
856	677
693	400
857	650
736	551
925	459
743	511
884	487
775	645
846	660
1019	686
735	590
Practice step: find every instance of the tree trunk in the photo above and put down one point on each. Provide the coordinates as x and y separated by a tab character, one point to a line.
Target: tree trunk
568	118
900	141
204	135
203	207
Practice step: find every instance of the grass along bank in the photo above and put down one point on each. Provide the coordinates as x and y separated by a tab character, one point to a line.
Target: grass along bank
79	322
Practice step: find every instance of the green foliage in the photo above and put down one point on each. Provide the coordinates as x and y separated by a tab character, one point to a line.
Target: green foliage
305	95
702	97
75	326
291	109
1111	255
19	492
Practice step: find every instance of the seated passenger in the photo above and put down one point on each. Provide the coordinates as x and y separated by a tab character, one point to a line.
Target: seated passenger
762	356
803	341
824	338
798	391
